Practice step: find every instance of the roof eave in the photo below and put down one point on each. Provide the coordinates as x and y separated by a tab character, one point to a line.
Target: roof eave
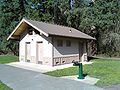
46	34
91	38
24	20
9	37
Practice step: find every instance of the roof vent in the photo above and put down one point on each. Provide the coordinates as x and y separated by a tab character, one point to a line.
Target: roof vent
70	30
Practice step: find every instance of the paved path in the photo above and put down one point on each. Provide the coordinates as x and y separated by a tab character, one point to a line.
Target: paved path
113	87
20	79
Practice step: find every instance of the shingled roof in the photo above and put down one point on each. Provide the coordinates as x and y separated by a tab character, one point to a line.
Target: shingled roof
48	30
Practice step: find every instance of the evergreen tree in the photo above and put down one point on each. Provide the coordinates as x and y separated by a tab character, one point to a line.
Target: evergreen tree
104	16
10	15
98	18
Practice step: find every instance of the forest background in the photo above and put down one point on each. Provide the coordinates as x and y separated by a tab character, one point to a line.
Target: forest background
98	18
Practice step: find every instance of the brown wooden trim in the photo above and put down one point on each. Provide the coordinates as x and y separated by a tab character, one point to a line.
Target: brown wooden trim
15	37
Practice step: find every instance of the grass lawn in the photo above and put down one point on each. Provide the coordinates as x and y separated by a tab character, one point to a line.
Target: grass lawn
4	87
8	59
107	70
4	60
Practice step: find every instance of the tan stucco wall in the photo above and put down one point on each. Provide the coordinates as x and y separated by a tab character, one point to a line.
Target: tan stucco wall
65	51
33	39
73	50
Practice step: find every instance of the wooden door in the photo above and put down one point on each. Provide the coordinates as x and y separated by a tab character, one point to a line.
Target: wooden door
28	52
39	52
81	50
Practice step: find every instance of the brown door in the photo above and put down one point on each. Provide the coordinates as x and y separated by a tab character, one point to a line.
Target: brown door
81	50
40	52
28	51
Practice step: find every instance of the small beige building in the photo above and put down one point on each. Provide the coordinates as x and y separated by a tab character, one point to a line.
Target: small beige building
49	44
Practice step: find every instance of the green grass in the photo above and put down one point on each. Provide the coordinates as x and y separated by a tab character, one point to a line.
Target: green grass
64	72
107	70
3	60
4	87
8	59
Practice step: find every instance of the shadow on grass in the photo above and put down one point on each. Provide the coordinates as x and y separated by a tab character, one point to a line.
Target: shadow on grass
91	58
84	75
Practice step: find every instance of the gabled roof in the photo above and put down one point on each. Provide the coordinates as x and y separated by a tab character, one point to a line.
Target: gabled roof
47	30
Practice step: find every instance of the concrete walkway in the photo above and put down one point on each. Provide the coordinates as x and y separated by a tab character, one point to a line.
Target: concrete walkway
20	79
87	79
38	67
41	68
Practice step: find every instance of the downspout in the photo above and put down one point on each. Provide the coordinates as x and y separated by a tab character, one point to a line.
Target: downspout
52	51
79	50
